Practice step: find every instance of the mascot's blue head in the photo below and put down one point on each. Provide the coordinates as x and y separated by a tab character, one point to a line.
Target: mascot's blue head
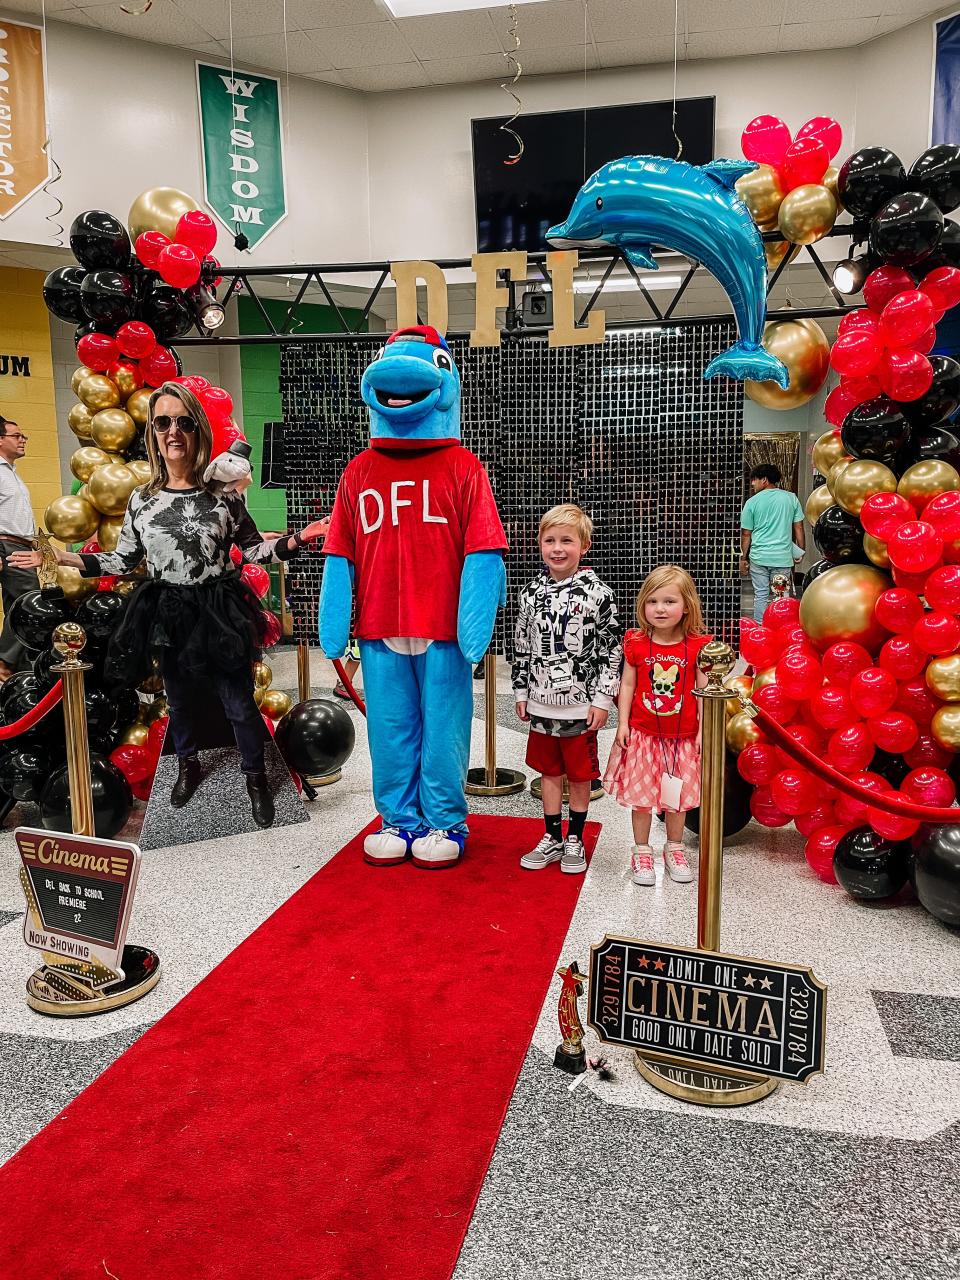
412	389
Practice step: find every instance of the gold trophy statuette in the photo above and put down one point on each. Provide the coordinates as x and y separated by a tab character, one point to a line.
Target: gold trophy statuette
47	572
570	1055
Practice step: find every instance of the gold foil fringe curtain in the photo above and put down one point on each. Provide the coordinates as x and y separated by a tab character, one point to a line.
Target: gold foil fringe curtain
782	449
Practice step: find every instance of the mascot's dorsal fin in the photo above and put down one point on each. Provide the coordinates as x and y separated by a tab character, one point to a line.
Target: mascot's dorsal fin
638	255
726	172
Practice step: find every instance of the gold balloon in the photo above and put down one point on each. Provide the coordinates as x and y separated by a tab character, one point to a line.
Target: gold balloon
741	732
258	695
77	377
84	493
835	472
83	462
839	606
262	675
275	703
762	192
113	429
152	684
776	250
876	551
829	180
108	532
156	710
803	347
924	480
80	421
807	214
73	586
159	209
945	726
742	682
126	380
110	488
70	518
943	677
859	480
98	392
126	587
827	451
137	735
141	469
138	406
817	503
767	676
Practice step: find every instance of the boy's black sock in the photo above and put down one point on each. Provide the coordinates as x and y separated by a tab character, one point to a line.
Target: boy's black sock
575	824
552	822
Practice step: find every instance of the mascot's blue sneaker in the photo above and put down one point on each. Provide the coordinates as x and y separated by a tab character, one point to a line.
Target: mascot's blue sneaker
438	849
387	846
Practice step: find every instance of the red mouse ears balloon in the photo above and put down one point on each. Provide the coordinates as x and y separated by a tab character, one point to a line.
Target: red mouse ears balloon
799	161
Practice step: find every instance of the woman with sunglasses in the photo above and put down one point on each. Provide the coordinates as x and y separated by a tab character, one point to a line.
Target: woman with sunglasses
193	612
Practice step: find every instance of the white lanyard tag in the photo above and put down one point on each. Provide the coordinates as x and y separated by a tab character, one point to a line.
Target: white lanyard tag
670	789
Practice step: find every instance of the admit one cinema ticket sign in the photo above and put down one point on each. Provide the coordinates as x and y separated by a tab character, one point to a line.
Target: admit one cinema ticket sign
706	1008
79	895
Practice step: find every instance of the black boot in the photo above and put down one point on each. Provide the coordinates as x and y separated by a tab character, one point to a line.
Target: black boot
188	779
261	801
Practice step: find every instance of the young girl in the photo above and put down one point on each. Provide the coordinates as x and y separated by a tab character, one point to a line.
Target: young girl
655	761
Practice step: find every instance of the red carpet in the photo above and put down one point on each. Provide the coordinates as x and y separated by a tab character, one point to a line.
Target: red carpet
325	1103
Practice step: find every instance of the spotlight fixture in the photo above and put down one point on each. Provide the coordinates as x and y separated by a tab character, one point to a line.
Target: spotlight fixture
849	275
208	311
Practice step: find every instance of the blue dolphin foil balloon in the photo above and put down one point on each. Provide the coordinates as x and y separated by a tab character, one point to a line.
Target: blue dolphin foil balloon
639	201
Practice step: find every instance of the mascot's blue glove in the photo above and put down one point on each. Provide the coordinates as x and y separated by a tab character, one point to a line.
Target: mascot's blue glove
483	590
336	605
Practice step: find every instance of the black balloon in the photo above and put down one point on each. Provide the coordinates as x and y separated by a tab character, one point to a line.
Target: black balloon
90	326
947	252
20	681
61	293
23	771
316	737
839	537
736	802
165	311
98	240
112	799
875	429
870	866
936	871
35	616
21	703
869	179
906	230
42	673
814	572
937	174
930	442
101	712
100	614
943	398
893	768
127	704
108	297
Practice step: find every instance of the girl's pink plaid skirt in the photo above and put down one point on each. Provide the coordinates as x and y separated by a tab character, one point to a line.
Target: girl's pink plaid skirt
633	776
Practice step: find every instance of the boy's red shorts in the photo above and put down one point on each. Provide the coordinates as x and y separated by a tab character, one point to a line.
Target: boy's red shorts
576	757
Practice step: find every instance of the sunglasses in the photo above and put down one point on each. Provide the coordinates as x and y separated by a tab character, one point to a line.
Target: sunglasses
163	422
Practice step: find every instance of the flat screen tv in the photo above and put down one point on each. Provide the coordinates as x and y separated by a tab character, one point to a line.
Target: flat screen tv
516	203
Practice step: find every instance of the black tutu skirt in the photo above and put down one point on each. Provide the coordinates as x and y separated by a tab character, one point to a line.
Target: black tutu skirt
216	625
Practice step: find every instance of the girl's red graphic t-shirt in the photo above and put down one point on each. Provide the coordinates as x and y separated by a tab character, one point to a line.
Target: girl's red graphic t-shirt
666	678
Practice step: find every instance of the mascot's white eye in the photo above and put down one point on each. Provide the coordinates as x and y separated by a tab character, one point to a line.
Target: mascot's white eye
599	202
442	360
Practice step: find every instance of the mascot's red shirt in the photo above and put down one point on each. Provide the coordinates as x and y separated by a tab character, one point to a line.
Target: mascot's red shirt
407	517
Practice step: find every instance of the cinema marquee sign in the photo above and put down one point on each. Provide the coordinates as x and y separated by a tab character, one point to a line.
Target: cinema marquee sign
24	164
707	1009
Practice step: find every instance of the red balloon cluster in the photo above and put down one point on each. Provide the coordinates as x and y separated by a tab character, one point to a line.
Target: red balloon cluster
134	350
219	409
922	546
138	763
180	261
799	161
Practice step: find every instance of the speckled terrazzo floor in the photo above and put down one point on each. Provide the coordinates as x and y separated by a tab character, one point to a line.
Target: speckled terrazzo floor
847	1176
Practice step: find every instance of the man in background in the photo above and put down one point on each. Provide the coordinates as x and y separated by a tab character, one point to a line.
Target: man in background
16	517
771	533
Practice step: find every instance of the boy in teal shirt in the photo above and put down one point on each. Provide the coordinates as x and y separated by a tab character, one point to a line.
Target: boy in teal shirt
771	527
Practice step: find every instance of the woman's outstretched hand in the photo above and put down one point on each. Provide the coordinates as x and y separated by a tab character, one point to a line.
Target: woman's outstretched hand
315	531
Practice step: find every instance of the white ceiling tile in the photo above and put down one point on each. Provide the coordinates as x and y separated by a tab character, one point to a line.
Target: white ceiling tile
484	66
302	56
369	44
79	18
825	35
732	44
826	11
250	17
325	77
308	14
727	15
544	62
447	35
912	9
34	8
406	75
542	26
636	53
211	49
163	24
631	19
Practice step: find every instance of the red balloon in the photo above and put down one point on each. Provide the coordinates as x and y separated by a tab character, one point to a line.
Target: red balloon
826	130
942	591
98	351
142	789
942	287
813	740
893	731
256	578
91	548
272	629
857	353
759	763
136	339
916	700
929	786
198	231
821	815
901	657
236	555
156	734
905	374
883	513
926	342
831	707
148	247
915	582
885	283
861	320
892	825
107	582
129	369
915	547
843	660
765	139
943	512
873	691
775	702
217	402
799	674
134	762
797	638
178	266
224	434
766	812
905	317
819	851
937	633
851	749
759	647
783	612
850	393
159	367
851	810
804	162
794	791
927	751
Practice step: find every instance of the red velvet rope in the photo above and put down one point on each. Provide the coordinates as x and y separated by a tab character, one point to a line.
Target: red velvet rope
897	805
46	703
348	685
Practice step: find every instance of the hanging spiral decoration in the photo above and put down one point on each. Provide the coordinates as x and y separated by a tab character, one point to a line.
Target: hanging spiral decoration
508	87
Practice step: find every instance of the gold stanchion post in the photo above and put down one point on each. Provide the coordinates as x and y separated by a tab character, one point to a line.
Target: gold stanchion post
489	780
303	670
69	640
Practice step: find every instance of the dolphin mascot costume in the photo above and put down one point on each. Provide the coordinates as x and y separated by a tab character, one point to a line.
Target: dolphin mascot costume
415	537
